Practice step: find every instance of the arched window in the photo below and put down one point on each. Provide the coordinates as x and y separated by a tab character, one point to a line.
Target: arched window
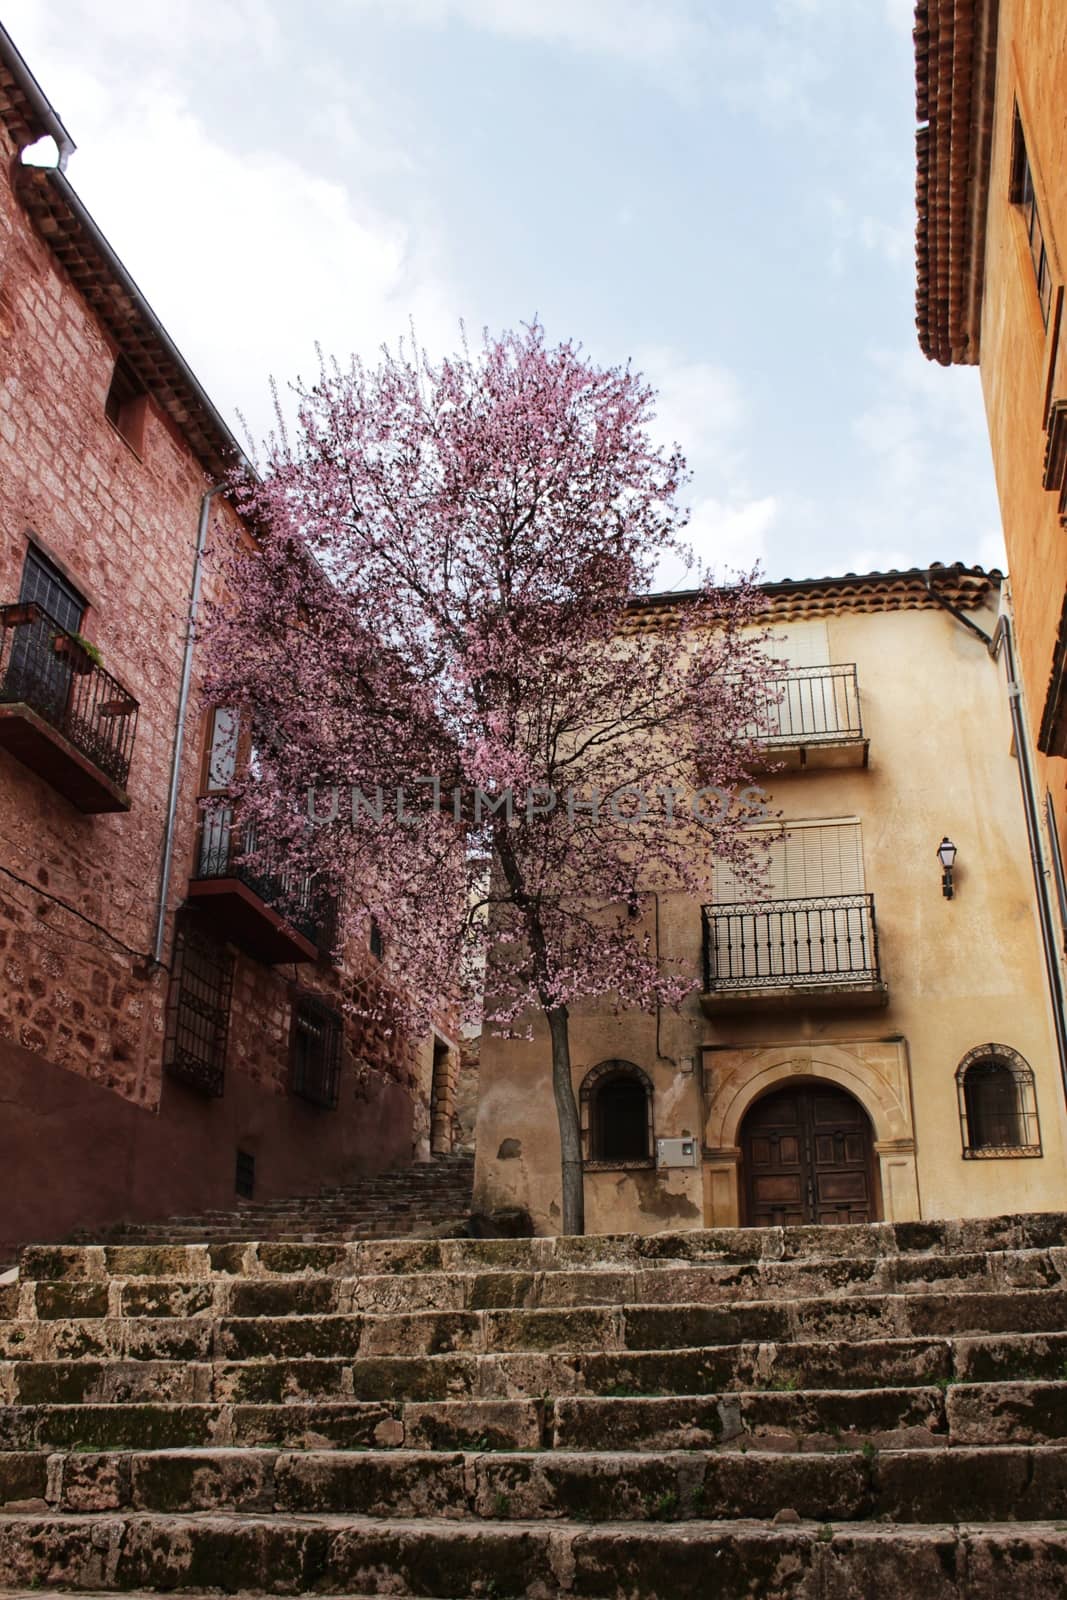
998	1110
616	1105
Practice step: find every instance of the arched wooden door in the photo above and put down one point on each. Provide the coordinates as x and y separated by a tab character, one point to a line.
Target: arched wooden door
807	1156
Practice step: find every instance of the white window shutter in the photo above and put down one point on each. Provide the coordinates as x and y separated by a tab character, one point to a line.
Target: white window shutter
801	644
804	863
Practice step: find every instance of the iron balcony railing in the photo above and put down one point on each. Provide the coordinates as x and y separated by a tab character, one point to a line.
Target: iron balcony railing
51	671
782	944
222	845
811	705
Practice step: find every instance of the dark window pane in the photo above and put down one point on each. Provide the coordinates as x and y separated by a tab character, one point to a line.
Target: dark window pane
994	1114
620	1121
45	584
315	1052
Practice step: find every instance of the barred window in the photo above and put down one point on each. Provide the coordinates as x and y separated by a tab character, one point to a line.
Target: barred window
998	1108
315	1051
616	1107
198	1008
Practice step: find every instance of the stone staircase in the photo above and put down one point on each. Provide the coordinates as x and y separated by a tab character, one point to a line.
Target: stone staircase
812	1413
391	1205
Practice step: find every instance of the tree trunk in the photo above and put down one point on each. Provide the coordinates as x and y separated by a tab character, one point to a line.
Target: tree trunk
570	1133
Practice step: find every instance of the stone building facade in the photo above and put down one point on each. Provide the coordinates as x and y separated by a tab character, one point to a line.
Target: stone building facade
992	220
860	1045
166	1034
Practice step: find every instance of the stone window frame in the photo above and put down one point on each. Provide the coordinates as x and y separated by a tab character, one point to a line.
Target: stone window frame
615	1067
1023	1074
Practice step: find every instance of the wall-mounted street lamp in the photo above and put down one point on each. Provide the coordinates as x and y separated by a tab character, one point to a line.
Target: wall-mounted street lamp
946	854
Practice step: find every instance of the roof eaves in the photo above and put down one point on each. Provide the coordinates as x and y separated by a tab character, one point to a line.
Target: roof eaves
955	70
96	271
959	583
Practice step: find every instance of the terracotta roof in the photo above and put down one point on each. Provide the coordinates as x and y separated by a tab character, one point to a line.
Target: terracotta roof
955	64
792	599
96	271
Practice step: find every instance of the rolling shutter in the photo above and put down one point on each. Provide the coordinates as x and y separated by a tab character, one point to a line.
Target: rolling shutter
823	858
801	644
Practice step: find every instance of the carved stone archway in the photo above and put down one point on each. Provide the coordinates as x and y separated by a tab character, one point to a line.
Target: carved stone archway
875	1073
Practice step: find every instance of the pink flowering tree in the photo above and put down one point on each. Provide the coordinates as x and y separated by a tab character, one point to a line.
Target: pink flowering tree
441	638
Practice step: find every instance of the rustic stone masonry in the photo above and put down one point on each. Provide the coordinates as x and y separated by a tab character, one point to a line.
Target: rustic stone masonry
818	1413
408	1200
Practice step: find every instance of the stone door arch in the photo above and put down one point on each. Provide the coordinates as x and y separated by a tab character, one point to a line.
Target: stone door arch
873	1072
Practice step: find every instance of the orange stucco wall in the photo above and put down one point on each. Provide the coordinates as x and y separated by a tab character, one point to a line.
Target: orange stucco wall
1023	365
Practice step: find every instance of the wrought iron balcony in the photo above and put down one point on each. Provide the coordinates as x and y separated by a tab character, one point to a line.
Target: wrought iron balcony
61	714
813	719
813	952
270	911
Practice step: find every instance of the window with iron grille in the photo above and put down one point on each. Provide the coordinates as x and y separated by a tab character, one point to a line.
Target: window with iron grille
616	1111
998	1108
1022	195
44	583
315	1051
198	1010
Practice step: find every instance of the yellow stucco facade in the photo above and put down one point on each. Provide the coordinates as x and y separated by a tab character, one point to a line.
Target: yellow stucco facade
953	975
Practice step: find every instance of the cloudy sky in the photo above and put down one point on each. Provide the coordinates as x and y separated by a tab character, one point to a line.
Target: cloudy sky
722	192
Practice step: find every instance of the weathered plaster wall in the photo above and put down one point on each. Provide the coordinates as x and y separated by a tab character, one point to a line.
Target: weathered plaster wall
961	973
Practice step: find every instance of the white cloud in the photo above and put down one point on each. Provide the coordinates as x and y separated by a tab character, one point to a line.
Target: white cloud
249	259
930	494
701	407
731	537
852	230
638	30
170	30
900	14
698	405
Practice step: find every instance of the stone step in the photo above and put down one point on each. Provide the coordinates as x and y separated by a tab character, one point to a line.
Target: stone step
572	1329
1041	1231
221	1293
824	1364
388	1204
994	1484
1016	1412
110	1553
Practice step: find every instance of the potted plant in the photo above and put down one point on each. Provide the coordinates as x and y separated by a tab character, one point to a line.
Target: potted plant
81	655
19	614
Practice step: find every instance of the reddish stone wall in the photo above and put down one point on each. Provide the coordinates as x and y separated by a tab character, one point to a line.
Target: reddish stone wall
79	894
75	1156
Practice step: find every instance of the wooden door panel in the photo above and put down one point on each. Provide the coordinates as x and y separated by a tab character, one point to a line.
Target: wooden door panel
807	1157
783	1189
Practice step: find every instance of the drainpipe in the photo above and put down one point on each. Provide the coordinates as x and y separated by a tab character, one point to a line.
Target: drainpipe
179	730
1004	638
